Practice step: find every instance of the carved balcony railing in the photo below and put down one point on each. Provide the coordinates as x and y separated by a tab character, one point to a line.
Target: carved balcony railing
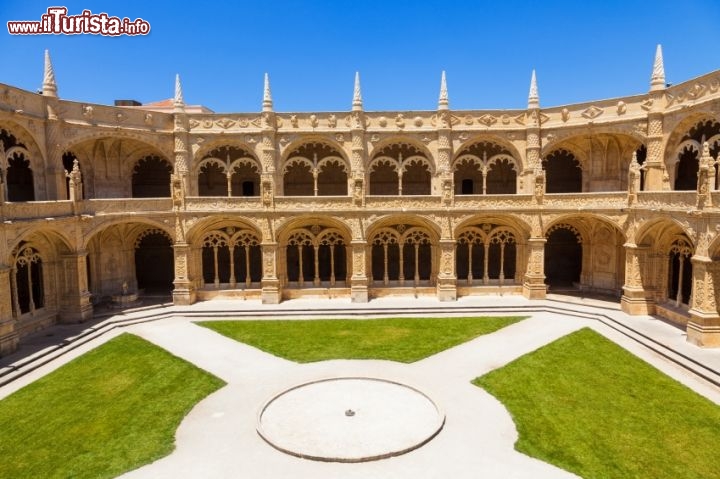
222	203
126	205
668	200
402	203
36	210
313	203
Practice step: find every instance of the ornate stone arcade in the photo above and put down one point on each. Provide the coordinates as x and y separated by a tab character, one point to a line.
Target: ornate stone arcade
614	196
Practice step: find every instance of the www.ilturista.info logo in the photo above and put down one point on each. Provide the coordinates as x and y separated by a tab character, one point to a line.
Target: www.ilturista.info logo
57	22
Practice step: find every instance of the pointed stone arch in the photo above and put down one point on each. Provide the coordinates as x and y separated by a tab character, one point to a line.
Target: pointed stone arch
485	167
228	170
402	161
315	168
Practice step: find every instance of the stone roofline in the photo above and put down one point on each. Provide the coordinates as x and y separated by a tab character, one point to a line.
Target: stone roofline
691	92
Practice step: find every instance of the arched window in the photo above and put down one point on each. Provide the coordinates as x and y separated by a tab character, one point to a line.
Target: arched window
20	182
688	153
228	171
401	254
151	178
485	168
486	253
212	180
231	257
680	272
384	178
400	169
27	281
563	173
315	169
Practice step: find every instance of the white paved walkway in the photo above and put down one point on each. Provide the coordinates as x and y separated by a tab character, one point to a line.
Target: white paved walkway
218	438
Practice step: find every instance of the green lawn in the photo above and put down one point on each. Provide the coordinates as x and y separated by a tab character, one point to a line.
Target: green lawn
397	339
109	411
588	406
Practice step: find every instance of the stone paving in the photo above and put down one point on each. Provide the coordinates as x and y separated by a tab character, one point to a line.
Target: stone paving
218	438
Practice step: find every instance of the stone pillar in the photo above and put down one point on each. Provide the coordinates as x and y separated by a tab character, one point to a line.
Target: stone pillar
75	306
357	158
184	292
8	336
703	328
534	284
359	279
637	297
447	279
654	162
271	289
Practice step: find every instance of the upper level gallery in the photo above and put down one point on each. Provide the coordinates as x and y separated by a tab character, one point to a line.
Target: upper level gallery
587	155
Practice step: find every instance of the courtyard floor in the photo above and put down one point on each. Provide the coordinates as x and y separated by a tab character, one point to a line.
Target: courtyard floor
218	438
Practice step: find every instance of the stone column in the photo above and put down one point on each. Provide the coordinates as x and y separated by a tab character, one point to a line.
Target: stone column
637	297
184	292
654	162
271	288
534	284
447	279
75	306
703	328
8	336
359	279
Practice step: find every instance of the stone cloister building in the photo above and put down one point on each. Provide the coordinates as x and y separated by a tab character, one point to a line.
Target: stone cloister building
617	196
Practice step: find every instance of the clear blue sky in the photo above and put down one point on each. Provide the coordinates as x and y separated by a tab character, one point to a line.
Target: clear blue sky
582	51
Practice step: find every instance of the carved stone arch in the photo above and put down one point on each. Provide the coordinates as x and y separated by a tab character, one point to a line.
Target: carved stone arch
23	137
562	225
245	161
197	230
303	146
215	238
212	161
158	143
150	231
296	161
490	144
301	237
415	235
395	164
467	159
218	143
331	236
471	235
310	222
385	236
512	161
333	159
520	227
502	234
658	232
245	237
687	145
385	146
681	127
407	162
48	241
103	226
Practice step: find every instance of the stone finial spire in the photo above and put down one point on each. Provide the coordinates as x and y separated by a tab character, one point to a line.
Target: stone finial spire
443	103
179	102
357	103
533	96
267	104
657	80
49	87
